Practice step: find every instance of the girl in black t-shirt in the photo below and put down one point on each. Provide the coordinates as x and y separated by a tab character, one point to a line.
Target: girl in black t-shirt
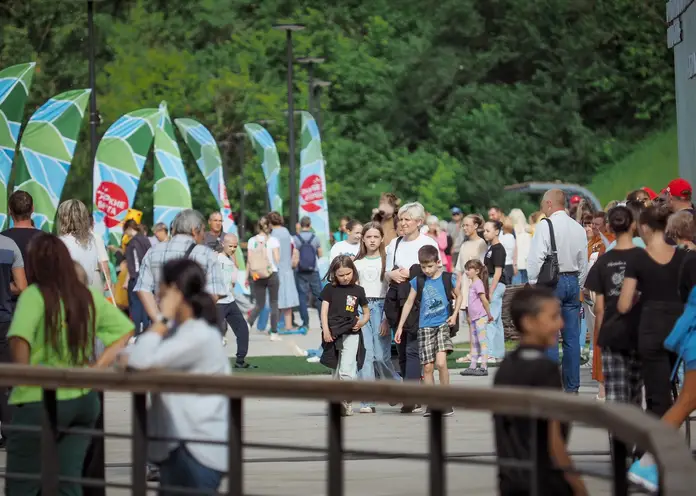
495	263
664	277
341	299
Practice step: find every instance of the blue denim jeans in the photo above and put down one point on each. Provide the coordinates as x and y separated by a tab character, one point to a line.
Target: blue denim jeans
136	309
520	277
182	470
308	282
495	331
568	291
378	363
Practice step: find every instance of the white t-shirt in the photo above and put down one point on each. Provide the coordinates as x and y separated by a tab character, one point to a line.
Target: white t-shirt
87	256
271	244
369	272
508	241
102	256
343	248
407	254
229	275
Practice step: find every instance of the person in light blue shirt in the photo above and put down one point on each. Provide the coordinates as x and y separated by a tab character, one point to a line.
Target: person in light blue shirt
636	207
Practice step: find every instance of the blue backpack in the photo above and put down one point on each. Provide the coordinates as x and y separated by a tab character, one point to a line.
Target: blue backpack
682	339
308	255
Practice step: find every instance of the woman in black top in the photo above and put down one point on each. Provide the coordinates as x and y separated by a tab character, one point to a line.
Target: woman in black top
616	334
495	262
664	277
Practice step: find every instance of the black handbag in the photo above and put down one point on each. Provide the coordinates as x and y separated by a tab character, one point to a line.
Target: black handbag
548	275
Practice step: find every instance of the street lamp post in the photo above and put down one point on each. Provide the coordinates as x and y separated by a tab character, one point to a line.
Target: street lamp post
93	116
289	28
311	62
241	137
318	86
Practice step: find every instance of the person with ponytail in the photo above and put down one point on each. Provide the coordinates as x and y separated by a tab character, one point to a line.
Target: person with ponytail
185	337
663	277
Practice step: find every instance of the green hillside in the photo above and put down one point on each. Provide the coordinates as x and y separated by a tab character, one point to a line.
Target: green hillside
653	163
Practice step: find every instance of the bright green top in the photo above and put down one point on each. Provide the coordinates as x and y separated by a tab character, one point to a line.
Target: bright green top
29	324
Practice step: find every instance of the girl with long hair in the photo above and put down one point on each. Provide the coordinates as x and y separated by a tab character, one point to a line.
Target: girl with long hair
495	263
56	324
524	240
185	338
288	298
479	314
266	246
341	323
370	264
74	228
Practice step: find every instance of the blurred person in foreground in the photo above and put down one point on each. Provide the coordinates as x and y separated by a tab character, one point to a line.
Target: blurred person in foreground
56	324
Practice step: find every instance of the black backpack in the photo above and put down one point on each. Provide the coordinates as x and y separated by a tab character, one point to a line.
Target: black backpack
449	287
308	255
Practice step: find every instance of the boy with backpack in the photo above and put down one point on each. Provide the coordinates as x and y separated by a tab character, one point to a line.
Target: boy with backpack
432	292
307	268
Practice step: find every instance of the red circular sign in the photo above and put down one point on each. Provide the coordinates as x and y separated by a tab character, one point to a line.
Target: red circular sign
311	192
112	200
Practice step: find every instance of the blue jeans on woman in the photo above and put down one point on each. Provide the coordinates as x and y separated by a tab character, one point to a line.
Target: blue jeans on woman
182	470
378	361
520	277
568	291
495	330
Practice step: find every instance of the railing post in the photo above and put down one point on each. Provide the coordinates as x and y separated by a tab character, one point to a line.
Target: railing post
437	454
536	456
619	452
235	447
334	473
49	444
139	445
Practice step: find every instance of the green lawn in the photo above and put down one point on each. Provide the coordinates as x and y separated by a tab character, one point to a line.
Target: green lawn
291	365
653	163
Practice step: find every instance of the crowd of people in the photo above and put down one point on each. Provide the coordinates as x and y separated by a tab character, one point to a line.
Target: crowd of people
610	285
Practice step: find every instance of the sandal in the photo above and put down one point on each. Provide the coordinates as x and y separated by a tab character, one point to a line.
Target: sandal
464	359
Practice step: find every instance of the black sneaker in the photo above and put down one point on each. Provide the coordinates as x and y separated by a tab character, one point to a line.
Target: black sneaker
411	409
480	372
427	412
468	372
244	365
447	412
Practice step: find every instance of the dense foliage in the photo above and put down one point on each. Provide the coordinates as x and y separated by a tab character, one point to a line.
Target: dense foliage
446	102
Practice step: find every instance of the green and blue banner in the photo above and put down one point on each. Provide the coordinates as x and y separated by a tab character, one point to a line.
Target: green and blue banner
15	82
270	163
46	152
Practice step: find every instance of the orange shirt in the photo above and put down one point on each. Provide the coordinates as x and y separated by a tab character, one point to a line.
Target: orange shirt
596	245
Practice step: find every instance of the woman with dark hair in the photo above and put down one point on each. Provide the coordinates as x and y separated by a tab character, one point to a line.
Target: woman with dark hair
185	338
56	323
663	276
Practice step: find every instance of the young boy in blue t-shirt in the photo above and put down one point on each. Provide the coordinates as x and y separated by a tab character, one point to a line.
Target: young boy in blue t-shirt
434	290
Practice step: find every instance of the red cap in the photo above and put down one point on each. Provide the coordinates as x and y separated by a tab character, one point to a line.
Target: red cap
575	199
679	188
650	192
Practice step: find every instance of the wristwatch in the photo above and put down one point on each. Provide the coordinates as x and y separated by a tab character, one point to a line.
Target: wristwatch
161	319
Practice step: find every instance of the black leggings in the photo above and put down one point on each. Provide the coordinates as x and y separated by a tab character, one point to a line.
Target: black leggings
230	314
259	288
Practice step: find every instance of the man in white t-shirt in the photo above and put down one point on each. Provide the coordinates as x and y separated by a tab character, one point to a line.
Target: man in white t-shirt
402	254
227	307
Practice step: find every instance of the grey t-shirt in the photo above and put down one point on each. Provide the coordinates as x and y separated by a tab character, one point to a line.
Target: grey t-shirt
10	258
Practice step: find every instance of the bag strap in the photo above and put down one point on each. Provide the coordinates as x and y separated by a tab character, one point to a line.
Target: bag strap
189	250
420	285
681	271
449	287
551	233
396	247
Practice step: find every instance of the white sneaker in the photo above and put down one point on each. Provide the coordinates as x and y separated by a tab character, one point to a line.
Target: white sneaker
131	340
299	351
346	409
275	337
314	359
368	409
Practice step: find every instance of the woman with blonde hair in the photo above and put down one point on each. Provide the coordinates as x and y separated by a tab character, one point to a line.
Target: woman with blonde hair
75	231
524	240
507	239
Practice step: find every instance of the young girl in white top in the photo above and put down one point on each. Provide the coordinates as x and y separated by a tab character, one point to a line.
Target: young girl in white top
261	286
377	337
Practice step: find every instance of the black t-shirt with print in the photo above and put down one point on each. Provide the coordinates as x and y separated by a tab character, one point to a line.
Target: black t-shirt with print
495	257
618	332
344	303
527	366
670	282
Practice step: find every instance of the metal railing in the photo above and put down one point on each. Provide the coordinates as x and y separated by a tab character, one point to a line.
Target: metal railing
627	425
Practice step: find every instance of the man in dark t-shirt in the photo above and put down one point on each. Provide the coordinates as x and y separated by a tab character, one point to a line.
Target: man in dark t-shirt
21	206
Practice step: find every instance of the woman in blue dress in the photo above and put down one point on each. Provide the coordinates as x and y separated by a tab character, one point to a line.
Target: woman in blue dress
288	298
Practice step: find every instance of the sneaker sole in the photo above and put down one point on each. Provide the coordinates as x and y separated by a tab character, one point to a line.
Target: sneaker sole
644	483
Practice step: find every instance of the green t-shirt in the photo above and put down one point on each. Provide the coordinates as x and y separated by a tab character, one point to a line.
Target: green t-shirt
29	324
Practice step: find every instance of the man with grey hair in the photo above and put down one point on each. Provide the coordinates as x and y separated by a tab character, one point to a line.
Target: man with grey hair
402	255
214	237
227	307
188	228
160	233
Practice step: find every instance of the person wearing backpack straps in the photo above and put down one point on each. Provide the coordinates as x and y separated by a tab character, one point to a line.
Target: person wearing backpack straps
307	270
571	253
262	265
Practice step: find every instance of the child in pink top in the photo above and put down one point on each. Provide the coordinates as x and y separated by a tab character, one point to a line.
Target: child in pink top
478	315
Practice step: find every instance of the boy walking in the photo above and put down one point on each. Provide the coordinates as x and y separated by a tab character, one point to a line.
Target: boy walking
432	292
536	313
